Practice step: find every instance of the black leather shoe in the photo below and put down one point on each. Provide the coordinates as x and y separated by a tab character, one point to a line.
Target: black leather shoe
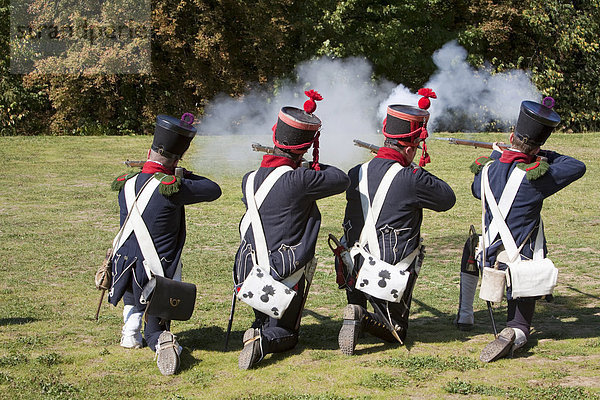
251	353
499	347
462	327
351	328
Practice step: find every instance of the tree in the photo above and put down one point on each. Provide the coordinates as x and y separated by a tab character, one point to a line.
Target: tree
199	48
186	52
24	109
556	40
398	37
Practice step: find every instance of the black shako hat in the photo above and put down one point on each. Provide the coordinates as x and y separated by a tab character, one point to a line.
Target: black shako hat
295	127
172	136
536	121
296	130
402	122
407	125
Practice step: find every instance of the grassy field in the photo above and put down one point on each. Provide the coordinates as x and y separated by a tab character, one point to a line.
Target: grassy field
58	215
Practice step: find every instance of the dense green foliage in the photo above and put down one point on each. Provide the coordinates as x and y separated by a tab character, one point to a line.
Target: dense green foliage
22	106
556	40
398	37
201	48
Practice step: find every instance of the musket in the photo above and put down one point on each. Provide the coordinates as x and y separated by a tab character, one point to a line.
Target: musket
130	163
472	266
309	274
103	279
472	143
269	150
260	147
483	145
491	311
99	304
230	322
373	148
463	142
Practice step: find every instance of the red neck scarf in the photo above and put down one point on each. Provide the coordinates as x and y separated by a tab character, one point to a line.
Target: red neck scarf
271	161
511	156
391	154
150	167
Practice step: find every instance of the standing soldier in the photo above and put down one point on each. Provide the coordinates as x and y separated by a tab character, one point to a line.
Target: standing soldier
383	219
159	194
279	232
516	186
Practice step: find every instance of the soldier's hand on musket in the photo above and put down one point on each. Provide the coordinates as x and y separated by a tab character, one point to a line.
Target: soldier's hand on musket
496	146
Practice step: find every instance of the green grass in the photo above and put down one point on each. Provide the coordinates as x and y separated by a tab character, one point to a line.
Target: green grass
58	216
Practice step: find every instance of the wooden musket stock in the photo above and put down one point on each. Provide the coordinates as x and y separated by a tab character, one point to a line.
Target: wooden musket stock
260	147
472	143
269	150
483	145
132	164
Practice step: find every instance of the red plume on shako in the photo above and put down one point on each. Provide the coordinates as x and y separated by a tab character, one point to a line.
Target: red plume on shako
309	105
424	101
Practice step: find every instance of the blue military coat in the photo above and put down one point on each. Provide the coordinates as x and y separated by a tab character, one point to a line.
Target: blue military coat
164	217
289	215
399	224
524	215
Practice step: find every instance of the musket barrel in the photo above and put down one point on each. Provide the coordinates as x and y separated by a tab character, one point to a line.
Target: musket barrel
447	139
366	145
260	147
472	143
269	150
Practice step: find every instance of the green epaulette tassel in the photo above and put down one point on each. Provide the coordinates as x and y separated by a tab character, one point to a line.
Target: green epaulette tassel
169	184
534	170
479	163
120	180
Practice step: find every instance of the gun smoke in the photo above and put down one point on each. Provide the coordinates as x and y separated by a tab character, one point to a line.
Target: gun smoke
354	104
469	99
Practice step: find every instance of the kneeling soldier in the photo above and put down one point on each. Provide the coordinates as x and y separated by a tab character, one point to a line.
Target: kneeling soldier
382	225
153	229
279	232
515	185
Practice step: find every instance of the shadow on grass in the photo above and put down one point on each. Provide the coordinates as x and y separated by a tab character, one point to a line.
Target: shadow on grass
16	321
210	338
187	361
566	317
319	336
583	293
445	245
